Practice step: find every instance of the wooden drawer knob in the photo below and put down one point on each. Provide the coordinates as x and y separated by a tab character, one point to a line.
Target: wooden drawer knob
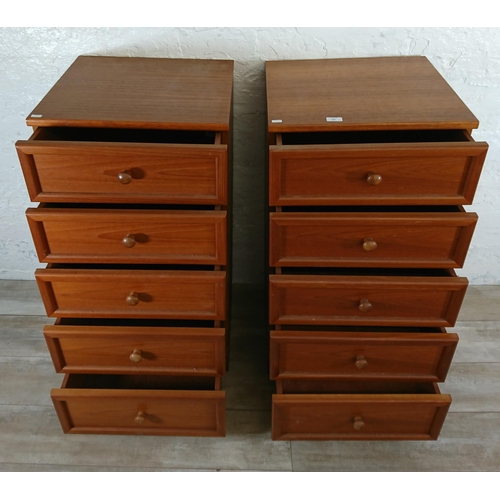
365	305
373	178
358	423
361	362
124	177
136	356
369	244
140	418
132	299
128	241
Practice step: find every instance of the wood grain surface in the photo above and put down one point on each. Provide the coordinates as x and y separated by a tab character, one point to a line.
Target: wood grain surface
138	92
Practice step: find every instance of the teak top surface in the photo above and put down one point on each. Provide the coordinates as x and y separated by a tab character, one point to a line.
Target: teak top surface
368	93
136	92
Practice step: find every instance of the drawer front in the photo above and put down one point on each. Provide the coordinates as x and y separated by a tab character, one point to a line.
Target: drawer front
129	236
145	412
370	240
359	355
108	293
358	417
408	174
365	300
126	349
129	173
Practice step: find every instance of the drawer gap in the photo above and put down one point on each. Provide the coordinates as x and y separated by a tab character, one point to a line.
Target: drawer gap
150	323
377	137
376	209
140	382
138	267
122	206
150	136
304	386
359	329
340	271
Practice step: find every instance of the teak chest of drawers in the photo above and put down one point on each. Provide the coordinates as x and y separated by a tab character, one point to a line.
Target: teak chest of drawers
130	161
370	162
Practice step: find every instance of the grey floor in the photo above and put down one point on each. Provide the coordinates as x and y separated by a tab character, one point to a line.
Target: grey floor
31	438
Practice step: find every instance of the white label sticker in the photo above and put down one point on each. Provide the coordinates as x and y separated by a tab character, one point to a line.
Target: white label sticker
334	119
36	116
276	121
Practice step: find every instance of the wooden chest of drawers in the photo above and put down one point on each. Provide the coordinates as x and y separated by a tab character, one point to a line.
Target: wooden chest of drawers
370	162
130	161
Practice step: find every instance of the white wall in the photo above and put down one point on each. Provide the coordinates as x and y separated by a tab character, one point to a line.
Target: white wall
32	59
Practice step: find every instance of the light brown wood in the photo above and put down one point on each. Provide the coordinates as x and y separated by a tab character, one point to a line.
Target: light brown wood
103	293
80	348
153	93
395	300
107	235
410	411
365	93
361	355
115	406
339	238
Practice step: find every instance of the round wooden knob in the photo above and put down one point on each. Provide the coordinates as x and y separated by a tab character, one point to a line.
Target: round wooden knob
369	244
124	177
365	305
128	241
358	423
132	299
140	418
136	356
360	362
373	178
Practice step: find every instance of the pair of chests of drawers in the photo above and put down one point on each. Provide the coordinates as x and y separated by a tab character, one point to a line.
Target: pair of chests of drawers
133	226
365	230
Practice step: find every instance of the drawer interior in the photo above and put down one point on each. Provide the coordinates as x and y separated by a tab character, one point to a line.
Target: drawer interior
341	271
376	136
126	135
140	382
138	323
304	386
136	206
361	329
130	267
441	209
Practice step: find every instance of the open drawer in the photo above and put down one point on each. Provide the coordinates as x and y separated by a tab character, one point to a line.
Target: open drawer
406	167
128	404
71	164
417	354
309	409
119	234
366	297
436	236
154	292
136	347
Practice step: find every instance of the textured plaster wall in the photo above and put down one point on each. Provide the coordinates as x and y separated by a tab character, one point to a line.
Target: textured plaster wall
32	59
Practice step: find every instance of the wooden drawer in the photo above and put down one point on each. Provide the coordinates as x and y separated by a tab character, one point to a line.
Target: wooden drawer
391	299
407	354
306	410
128	404
85	346
124	165
123	235
439	238
425	167
132	293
